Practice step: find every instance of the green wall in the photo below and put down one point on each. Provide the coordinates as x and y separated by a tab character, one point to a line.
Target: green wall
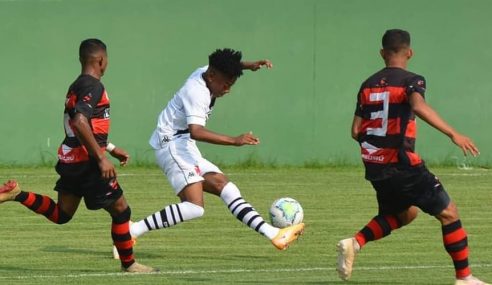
301	109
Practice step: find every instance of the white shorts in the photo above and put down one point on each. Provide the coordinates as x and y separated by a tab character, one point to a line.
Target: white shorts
183	163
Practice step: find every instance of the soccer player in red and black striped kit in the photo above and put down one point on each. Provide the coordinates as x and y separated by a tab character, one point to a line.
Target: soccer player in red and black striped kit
384	126
84	169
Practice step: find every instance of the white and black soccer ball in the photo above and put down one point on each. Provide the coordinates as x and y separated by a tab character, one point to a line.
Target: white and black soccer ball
286	212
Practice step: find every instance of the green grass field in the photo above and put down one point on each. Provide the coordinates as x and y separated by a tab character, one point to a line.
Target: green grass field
218	249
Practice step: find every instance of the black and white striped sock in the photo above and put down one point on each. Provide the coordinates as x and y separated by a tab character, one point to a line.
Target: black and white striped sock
244	212
169	216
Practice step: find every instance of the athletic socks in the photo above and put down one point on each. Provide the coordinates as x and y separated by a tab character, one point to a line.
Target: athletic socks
122	240
167	217
456	243
43	205
244	212
377	228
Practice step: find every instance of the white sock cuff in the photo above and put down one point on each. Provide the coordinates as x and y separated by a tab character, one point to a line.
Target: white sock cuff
230	193
190	210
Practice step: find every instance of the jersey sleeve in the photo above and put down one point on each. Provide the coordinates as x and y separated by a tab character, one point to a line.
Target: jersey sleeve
87	99
416	84
196	105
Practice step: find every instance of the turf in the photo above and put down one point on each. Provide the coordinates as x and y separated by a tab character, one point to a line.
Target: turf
218	249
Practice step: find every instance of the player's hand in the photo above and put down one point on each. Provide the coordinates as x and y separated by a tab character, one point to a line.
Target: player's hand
247	138
107	168
466	144
121	155
258	64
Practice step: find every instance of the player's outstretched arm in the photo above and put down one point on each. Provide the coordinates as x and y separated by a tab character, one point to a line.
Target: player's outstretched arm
429	115
85	136
200	133
255	65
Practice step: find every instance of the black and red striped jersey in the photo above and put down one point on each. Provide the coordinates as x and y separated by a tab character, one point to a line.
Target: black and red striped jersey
388	131
87	96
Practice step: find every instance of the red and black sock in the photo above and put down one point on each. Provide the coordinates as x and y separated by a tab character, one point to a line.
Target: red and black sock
43	205
456	244
377	228
120	232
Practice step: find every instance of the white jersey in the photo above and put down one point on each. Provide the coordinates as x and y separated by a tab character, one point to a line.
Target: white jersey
190	105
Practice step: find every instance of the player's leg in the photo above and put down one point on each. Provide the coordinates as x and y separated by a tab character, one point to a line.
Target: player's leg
120	233
394	212
218	184
58	213
456	244
178	159
436	202
382	225
191	207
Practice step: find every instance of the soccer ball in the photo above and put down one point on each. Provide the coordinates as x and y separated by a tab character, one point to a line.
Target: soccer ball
286	212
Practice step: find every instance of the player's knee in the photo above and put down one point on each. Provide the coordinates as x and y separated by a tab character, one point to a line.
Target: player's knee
63	217
216	181
408	216
449	214
122	217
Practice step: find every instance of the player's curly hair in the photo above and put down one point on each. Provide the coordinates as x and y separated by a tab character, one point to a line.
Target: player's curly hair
89	47
395	40
227	61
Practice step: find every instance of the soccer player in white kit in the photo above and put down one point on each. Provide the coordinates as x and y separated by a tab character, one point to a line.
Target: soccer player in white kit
179	126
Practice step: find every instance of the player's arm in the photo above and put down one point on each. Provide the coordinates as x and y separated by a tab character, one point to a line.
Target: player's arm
429	115
255	65
356	125
84	133
200	133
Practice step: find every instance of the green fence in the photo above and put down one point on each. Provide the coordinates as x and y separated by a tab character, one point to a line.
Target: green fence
301	109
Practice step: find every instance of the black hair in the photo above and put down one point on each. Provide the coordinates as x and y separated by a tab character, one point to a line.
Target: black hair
395	40
89	47
227	61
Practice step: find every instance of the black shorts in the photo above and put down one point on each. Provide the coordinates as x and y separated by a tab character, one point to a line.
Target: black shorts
97	192
416	187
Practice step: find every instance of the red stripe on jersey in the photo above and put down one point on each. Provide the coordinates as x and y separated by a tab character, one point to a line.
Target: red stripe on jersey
397	95
393	127
104	99
72	155
414	158
411	131
100	126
